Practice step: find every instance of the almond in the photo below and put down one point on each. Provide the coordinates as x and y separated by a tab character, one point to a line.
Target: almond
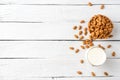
81	61
87	46
77	50
82	21
80	27
74	27
106	74
76	36
80	32
102	6
71	48
81	37
82	47
113	53
109	46
93	74
79	72
89	4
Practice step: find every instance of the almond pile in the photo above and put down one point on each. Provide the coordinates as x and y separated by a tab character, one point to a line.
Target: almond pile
100	27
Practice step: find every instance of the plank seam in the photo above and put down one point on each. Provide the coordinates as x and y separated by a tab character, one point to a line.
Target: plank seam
56	4
66	40
21	22
35	22
40	58
53	77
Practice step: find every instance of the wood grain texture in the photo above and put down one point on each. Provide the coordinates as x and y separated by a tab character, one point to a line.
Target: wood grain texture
45	31
53	13
56	68
59	1
50	49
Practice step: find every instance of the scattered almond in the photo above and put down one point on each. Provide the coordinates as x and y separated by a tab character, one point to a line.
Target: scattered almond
76	36
109	46
102	6
81	61
89	4
87	46
100	46
81	37
82	21
84	42
71	48
82	47
91	44
110	36
106	74
85	29
74	27
80	32
77	50
113	53
93	74
80	27
79	72
85	33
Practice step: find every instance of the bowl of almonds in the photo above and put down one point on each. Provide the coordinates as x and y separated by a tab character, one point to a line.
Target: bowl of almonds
100	27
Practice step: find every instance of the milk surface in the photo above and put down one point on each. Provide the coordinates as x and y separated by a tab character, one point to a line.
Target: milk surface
96	56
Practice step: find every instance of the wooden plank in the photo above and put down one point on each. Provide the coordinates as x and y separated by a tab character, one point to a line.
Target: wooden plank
91	78
56	68
50	49
45	31
83	78
53	13
59	1
23	78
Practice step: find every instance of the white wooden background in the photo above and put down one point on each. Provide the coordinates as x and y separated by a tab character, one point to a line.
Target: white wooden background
35	36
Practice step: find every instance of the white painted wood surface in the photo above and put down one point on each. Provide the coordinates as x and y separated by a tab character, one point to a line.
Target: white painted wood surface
60	67
59	1
51	49
91	78
35	36
55	13
45	31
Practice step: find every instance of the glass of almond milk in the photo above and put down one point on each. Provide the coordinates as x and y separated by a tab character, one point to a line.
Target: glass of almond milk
96	56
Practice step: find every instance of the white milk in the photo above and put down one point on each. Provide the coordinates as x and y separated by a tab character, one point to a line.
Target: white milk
96	56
